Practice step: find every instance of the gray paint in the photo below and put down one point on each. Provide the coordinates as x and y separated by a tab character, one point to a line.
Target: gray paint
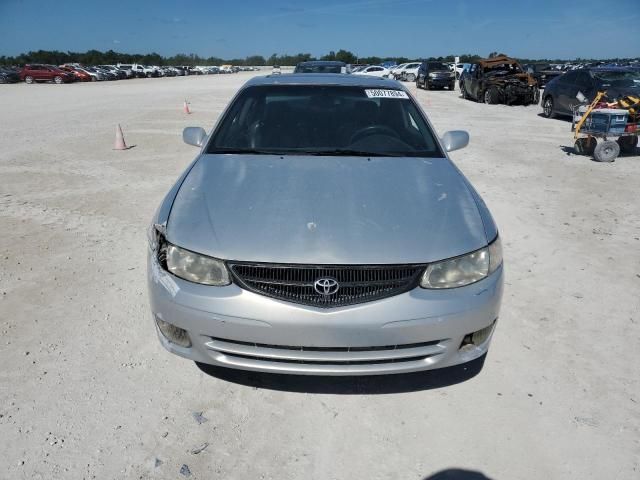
325	210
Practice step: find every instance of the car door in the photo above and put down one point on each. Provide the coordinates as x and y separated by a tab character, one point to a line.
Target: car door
471	80
35	71
565	93
586	85
422	73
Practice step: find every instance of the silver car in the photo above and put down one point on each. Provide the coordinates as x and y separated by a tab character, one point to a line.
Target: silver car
323	230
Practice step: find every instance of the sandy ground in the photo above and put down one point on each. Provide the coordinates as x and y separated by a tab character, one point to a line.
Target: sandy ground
86	391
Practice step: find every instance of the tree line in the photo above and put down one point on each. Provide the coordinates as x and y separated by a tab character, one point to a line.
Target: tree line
110	57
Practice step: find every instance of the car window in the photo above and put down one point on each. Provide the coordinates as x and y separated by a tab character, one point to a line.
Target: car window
435	66
298	119
583	80
569	77
618	78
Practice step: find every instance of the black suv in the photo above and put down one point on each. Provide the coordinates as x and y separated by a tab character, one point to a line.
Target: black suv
435	74
559	97
321	66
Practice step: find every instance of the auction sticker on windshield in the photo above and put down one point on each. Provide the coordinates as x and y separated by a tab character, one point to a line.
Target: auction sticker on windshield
386	93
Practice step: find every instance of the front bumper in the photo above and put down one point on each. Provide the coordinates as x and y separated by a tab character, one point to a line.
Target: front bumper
417	330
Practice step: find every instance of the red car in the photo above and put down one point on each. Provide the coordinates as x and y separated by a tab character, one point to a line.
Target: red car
78	74
45	73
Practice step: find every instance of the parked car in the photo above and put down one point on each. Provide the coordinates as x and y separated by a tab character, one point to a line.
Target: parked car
79	74
120	74
373	71
126	68
96	76
45	73
393	71
8	76
357	68
108	74
435	74
274	71
409	72
181	71
559	96
321	66
542	73
499	80
333	272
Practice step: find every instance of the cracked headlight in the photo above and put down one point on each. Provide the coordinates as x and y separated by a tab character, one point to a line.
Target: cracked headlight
194	267
465	269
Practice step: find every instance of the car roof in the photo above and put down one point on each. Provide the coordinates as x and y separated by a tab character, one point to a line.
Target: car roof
339	79
610	69
322	62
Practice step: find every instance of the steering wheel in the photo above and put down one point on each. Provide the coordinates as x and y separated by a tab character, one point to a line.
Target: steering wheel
372	130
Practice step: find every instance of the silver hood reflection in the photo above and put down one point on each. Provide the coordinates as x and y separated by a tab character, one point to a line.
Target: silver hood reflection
325	210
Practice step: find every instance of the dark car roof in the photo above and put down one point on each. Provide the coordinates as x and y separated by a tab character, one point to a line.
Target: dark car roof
325	79
610	69
324	63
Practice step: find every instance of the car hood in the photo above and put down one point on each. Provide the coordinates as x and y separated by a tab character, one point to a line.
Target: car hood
325	210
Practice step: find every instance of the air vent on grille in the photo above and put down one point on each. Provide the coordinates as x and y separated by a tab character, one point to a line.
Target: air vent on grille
355	283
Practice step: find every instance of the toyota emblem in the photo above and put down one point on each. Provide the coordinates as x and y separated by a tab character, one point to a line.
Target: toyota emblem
326	286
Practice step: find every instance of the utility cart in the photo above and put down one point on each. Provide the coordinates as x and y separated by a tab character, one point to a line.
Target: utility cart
604	133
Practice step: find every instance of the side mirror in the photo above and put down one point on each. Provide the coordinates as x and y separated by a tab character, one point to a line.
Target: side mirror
581	98
194	136
455	140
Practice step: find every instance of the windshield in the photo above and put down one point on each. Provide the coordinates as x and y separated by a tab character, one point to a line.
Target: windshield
324	120
438	66
502	68
618	79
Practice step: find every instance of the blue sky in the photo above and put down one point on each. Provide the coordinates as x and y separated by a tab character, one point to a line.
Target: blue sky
411	28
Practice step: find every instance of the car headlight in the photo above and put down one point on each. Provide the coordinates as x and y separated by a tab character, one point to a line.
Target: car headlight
432	74
463	270
193	267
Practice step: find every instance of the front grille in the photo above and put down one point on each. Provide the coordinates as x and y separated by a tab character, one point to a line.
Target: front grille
356	283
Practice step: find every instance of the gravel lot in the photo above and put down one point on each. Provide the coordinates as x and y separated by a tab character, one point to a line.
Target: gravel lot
86	391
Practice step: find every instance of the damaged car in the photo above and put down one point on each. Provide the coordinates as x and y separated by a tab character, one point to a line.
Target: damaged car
323	230
499	80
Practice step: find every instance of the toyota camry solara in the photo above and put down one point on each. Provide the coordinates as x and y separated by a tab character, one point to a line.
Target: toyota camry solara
323	230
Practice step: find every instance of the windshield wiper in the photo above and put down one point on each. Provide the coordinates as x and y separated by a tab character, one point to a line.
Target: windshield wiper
345	152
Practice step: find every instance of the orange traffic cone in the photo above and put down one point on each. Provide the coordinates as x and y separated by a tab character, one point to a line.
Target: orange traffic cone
119	144
186	107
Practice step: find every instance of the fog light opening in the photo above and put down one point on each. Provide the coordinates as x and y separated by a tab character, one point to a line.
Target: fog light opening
478	337
174	334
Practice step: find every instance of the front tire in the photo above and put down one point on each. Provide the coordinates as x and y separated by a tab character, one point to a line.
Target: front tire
452	86
58	80
491	96
547	107
411	77
463	92
606	151
28	79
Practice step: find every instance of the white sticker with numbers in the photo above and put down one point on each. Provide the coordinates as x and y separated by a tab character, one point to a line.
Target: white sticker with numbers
385	93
